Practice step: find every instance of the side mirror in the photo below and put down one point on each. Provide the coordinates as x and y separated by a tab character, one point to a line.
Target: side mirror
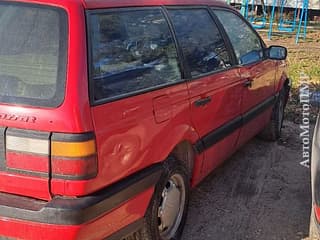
277	53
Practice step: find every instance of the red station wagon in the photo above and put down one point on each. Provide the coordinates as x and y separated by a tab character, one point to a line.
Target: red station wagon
111	110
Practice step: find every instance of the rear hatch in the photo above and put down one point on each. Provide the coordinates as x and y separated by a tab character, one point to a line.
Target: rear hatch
33	42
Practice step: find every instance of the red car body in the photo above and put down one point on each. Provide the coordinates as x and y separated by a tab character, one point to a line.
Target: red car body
131	137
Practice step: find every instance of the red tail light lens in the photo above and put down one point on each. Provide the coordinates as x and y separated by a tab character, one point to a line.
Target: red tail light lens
27	162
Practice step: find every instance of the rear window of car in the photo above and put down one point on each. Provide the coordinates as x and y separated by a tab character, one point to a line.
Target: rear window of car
33	42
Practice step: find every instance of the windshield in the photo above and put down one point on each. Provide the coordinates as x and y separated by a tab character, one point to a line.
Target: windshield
32	54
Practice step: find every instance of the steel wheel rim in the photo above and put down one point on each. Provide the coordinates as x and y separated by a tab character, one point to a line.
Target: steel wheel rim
171	207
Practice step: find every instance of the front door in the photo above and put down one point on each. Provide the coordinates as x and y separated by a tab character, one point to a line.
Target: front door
257	74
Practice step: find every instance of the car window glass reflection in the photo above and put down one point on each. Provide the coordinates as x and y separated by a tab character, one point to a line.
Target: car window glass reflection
200	40
246	43
131	51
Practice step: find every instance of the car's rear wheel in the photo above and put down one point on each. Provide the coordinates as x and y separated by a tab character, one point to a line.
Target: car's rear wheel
167	212
273	130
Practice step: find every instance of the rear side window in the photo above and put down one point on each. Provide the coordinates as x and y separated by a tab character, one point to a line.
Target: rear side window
245	41
201	42
32	54
131	51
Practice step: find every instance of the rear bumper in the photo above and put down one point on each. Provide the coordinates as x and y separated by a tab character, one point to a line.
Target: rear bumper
114	207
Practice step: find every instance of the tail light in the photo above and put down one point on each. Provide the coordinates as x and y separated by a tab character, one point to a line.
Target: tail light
27	152
73	156
64	156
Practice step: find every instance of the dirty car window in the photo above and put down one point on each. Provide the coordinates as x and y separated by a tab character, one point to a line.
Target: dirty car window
246	43
131	51
200	40
32	54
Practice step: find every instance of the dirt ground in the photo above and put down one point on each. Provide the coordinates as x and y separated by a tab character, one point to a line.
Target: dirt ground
261	193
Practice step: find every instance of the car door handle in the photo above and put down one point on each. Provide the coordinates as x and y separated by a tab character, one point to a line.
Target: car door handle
248	83
203	101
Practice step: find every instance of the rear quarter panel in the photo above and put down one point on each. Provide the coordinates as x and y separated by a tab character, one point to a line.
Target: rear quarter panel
130	137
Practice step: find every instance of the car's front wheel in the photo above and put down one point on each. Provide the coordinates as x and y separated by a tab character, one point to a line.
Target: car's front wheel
167	212
273	130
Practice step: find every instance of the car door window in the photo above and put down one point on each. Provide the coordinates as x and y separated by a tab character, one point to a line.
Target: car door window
245	41
131	51
201	42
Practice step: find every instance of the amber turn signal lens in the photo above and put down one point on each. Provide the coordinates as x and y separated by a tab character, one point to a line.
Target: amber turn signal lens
73	149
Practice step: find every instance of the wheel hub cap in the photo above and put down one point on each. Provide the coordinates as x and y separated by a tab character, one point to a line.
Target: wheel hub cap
171	207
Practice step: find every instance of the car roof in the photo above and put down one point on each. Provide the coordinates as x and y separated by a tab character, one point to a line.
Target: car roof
95	4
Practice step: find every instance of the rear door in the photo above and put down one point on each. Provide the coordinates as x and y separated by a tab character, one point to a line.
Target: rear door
257	73
214	86
137	91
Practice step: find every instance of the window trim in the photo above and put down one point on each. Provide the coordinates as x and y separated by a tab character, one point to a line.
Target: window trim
223	35
184	68
262	43
61	79
94	102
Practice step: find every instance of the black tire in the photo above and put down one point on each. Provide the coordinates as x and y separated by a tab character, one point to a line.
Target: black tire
272	131
174	171
313	228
